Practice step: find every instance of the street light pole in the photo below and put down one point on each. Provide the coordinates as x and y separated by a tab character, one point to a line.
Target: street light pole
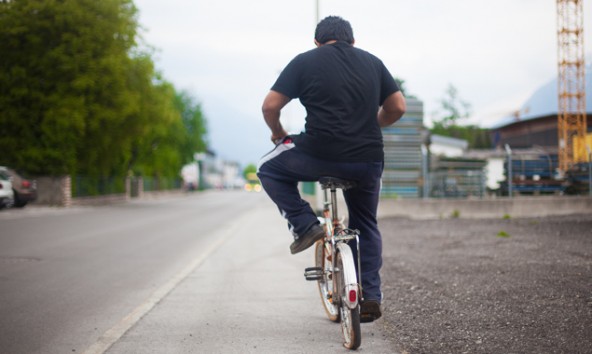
425	172
509	152
317	12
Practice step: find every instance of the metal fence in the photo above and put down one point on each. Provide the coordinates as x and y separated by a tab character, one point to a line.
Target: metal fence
457	184
84	186
153	184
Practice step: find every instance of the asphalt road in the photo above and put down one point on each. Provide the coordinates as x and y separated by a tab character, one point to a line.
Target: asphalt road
204	273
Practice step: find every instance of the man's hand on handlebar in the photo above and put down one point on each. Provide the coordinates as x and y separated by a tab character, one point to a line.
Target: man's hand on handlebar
277	138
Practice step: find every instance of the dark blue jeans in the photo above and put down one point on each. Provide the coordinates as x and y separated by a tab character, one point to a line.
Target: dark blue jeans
281	170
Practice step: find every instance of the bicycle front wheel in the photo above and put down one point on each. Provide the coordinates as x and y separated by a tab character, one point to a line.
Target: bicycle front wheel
326	291
350	318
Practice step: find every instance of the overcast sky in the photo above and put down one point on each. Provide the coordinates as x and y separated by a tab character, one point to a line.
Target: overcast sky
228	53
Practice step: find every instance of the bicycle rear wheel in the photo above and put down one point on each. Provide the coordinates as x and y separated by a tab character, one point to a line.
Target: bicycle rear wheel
350	318
325	283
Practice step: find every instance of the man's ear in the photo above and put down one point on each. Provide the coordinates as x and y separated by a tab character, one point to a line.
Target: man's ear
317	43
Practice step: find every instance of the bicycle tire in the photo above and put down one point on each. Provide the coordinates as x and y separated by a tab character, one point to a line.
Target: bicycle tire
350	318
325	283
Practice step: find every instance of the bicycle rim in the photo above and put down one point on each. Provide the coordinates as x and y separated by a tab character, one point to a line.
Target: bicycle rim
325	284
350	319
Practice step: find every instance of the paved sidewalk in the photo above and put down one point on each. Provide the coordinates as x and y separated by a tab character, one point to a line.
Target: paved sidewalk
246	296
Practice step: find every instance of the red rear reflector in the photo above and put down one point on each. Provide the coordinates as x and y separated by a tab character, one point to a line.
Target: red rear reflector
26	184
353	295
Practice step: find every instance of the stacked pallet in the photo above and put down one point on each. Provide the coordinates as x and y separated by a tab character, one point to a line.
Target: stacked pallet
402	153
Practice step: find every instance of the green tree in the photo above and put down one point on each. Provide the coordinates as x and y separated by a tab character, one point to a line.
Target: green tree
63	82
249	171
156	148
171	130
477	138
78	96
454	110
403	86
194	124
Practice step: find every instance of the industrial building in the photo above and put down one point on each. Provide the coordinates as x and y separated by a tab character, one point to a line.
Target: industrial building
530	137
535	123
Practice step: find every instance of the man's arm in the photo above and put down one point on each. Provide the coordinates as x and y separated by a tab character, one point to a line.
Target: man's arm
272	106
392	109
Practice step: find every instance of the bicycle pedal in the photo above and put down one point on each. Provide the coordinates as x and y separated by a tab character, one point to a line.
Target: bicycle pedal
345	237
313	273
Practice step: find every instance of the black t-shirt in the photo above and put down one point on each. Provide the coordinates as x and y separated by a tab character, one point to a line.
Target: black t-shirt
341	88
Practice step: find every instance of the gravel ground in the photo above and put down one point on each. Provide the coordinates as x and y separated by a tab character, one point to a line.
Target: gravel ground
488	286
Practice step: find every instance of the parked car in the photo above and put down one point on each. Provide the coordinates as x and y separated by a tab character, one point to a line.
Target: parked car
24	190
6	192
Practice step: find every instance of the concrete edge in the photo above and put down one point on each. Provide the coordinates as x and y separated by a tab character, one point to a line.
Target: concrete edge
518	207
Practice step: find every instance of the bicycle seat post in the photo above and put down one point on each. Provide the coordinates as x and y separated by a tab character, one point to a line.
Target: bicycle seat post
333	183
334	212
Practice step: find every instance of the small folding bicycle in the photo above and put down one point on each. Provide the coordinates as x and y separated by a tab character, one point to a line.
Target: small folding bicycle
335	270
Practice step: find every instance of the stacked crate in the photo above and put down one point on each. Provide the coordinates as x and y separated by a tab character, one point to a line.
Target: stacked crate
402	153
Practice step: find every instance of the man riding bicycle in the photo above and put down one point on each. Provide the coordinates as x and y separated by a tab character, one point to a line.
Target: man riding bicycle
349	95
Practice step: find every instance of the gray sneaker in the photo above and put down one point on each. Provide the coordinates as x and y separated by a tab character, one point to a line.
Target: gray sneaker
311	236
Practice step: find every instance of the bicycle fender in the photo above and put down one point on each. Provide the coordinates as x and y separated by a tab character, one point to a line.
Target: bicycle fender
349	275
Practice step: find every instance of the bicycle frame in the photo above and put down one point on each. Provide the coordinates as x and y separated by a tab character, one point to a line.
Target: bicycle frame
335	272
337	237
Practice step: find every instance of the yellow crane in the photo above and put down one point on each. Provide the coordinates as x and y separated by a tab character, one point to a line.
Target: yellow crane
571	84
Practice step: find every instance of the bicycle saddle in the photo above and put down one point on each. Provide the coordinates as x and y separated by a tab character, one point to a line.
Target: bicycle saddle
335	182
